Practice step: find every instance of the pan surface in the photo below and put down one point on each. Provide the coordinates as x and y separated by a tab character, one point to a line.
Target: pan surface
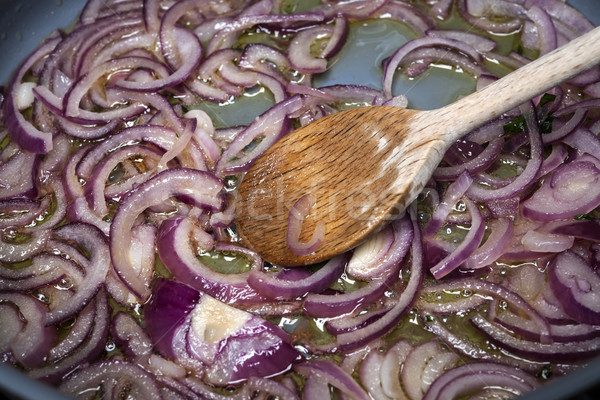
24	23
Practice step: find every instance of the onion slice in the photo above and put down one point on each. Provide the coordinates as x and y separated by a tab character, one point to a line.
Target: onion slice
299	211
196	187
577	287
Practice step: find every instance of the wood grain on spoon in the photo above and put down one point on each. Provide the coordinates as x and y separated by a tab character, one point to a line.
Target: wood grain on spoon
366	165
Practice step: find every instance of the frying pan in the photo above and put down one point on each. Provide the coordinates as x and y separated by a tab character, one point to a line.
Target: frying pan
24	23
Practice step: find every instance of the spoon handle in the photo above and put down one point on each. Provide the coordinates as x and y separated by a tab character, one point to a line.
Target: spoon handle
532	79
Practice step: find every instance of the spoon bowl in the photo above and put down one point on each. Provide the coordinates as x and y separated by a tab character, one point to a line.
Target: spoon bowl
365	165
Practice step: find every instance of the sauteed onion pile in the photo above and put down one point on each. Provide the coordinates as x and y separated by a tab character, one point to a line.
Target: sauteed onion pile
121	274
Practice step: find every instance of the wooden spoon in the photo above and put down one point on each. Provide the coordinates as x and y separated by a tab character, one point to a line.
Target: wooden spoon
366	165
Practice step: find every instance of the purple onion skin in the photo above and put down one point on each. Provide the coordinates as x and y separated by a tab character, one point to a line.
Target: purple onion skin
248	362
257	349
575	284
167	309
179	260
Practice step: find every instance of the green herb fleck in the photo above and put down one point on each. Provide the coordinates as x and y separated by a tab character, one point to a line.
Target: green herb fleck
547	98
586	217
516	125
546	125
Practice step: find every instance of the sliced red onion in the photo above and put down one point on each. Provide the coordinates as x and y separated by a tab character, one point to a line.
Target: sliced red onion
161	136
262	386
352	359
466	248
531	283
54	213
468	349
453	194
514	300
298	212
359	337
301	47
408	14
94	344
471	377
432	300
480	14
112	379
190	51
555	351
391	368
481	43
280	287
419	60
367	261
395	60
323	305
78	333
204	133
560	333
26	135
93	241
546	242
16	252
100	9
130	337
516	251
193	186
176	251
562	12
72	101
494	246
559	133
211	84
503	208
438	364
520	183
370	377
554	160
17	175
20	212
253	257
142	258
423	364
572	190
266	59
397	101
162	367
577	287
269	127
196	388
333	375
78	50
79	209
180	300
96	184
477	164
584	141
45	269
354	94
589	230
354	9
359	320
315	388
546	33
441	9
24	332
232	344
226	36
